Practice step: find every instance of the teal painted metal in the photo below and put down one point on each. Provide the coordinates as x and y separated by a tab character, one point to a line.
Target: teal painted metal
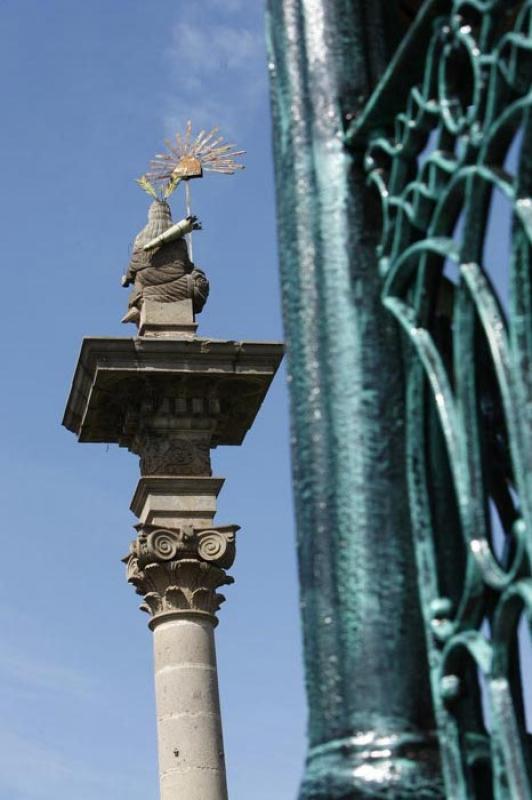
371	727
409	245
436	163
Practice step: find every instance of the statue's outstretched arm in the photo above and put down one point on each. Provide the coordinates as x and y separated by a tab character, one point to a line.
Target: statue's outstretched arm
178	230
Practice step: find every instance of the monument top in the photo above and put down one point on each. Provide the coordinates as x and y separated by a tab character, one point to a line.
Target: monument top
168	288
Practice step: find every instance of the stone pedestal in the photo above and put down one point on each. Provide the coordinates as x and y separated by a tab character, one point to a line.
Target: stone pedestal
167	319
170	401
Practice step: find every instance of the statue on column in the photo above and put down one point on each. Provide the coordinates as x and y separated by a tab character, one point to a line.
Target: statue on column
161	268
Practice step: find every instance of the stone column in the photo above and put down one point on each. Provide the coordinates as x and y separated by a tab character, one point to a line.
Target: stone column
170	397
190	731
177	563
178	572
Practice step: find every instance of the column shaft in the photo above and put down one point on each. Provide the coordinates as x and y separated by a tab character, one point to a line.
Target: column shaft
191	756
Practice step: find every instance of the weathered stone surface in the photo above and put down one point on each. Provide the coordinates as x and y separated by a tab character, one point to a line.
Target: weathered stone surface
215	545
173	588
179	569
180	453
166	319
162	275
121	382
171	501
170	400
191	754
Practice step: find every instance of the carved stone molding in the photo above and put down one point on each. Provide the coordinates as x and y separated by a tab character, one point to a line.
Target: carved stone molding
179	571
174	587
161	455
121	383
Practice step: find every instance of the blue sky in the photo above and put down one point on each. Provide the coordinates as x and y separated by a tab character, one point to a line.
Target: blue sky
90	91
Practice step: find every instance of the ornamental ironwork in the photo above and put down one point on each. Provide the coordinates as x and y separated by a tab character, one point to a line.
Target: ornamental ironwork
446	139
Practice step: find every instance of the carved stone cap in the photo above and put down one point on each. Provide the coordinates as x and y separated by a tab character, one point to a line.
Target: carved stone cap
215	545
178	571
178	588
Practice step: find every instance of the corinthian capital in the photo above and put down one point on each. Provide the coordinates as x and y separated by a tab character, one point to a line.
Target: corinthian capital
179	570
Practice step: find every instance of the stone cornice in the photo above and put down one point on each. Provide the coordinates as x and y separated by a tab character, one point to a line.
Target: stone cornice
115	374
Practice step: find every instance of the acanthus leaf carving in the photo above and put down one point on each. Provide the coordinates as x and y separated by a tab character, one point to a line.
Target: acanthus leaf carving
180	570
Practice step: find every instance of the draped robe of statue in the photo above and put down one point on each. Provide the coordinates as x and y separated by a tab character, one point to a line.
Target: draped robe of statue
165	274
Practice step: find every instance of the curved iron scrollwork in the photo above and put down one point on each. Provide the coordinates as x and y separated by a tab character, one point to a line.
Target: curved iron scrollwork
462	138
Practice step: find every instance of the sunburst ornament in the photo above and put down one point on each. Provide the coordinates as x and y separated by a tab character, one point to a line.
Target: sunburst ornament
189	157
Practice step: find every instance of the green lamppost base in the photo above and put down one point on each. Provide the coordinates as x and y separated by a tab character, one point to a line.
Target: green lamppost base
373	765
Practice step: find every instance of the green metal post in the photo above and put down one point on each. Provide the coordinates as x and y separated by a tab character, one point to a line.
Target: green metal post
370	716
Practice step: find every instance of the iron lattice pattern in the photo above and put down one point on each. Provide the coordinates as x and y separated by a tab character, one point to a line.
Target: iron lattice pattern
457	150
